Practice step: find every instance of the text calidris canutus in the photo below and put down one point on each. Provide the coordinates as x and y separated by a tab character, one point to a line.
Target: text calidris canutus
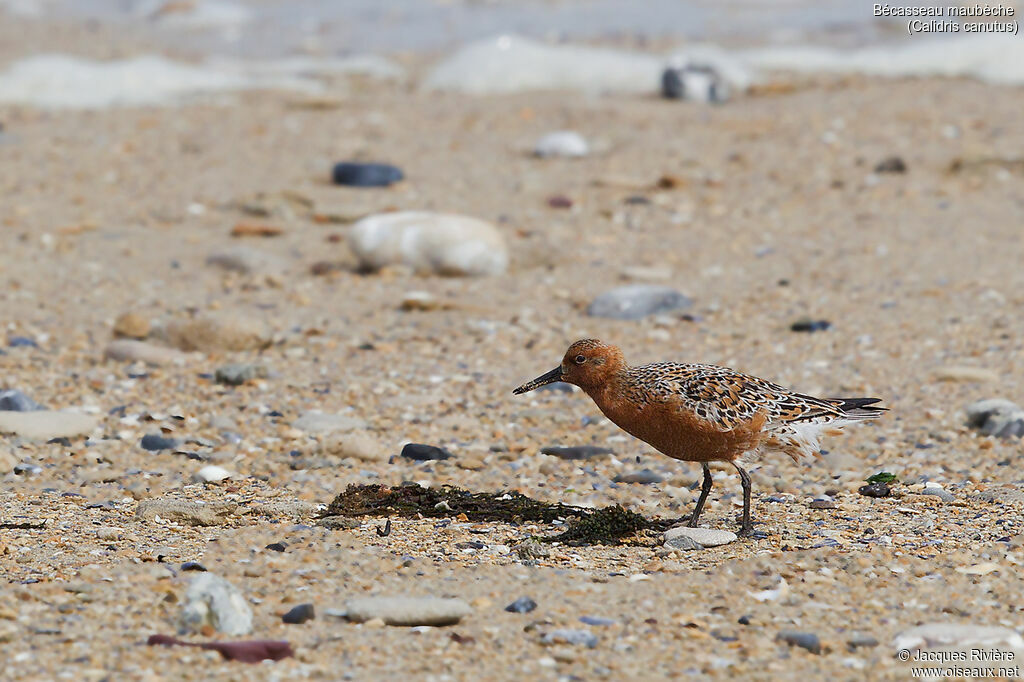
703	413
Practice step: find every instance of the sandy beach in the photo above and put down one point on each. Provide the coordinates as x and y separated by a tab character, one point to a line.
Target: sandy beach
763	210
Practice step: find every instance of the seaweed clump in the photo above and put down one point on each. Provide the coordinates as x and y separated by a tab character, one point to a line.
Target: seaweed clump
607	526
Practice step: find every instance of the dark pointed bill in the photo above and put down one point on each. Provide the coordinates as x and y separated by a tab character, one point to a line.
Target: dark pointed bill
549	378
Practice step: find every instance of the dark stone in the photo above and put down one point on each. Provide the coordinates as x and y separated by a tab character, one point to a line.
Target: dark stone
576	451
806	324
424	453
299	614
875	490
559	201
644	476
193	566
696	82
277	546
472	544
804	640
21	342
521	605
27	469
13	400
66	442
744	620
891	164
355	174
672	84
155	442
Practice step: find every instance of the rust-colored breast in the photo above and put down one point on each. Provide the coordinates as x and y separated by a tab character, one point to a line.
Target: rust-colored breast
674	430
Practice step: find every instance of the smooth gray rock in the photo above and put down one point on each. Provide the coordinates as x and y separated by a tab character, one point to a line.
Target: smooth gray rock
239	373
13	400
637	301
996	417
804	640
212	600
408	610
705	537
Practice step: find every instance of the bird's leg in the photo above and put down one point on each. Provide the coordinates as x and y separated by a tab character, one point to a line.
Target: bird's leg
705	488
746	528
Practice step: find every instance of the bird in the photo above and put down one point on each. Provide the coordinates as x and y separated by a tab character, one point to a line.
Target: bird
704	413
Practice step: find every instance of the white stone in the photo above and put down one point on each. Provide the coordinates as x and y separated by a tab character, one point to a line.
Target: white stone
935	635
47	424
408	610
564	143
320	422
128	350
211	474
705	537
429	243
212	600
510	63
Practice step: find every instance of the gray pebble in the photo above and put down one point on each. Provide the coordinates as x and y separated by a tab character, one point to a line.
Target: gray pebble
636	301
521	605
15	401
644	476
576	451
996	417
804	640
943	495
239	373
155	442
299	614
861	642
596	620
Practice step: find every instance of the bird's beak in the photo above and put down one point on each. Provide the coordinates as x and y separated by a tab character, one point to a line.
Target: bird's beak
549	378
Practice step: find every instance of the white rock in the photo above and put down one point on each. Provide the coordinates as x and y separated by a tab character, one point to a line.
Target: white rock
211	474
47	424
408	610
564	143
128	350
705	537
320	422
429	243
212	600
509	63
933	635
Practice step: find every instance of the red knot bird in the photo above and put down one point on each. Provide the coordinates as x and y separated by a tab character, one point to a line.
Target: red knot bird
704	413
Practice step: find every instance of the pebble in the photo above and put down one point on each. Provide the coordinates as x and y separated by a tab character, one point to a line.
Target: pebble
216	332
353	174
942	635
27	469
298	615
576	451
212	600
521	605
421	301
356	444
875	490
211	474
705	537
246	260
13	400
188	512
338	523
317	422
636	301
131	326
127	350
561	143
239	373
891	164
965	374
47	424
109	533
424	453
932	488
429	243
861	642
804	640
154	442
21	342
644	476
693	82
996	417
277	546
408	611
597	620
808	325
193	566
568	636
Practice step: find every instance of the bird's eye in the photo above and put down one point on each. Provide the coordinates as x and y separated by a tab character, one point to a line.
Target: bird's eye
580	359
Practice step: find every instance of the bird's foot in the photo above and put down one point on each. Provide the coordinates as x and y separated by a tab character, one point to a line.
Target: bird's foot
748	531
